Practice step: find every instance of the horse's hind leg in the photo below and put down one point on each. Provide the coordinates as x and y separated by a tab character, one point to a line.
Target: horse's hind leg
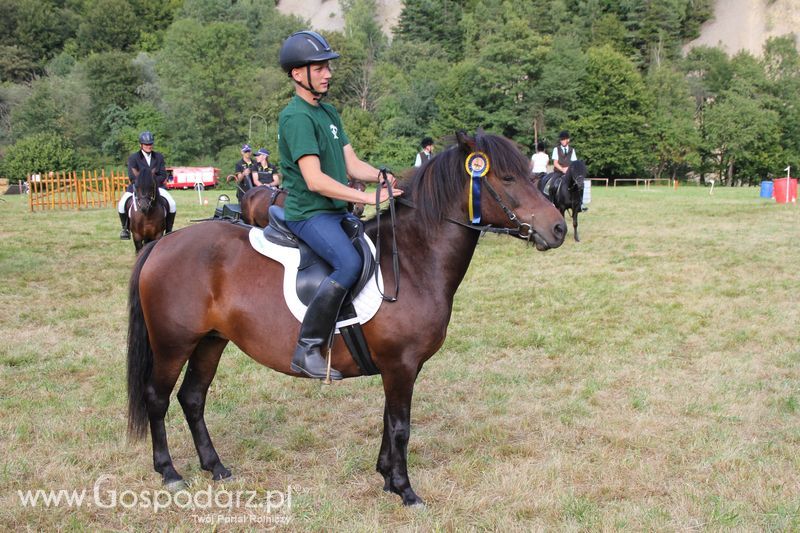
163	377
192	397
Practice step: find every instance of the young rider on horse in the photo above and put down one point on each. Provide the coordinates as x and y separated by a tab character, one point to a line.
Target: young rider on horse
563	154
316	158
145	158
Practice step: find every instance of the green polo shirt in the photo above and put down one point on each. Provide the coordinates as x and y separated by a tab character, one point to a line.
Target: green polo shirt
304	129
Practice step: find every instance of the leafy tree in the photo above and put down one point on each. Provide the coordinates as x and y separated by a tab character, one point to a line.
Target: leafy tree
38	153
35	31
364	42
458	101
436	23
557	93
673	132
781	63
742	138
16	64
612	128
208	95
53	105
107	25
112	81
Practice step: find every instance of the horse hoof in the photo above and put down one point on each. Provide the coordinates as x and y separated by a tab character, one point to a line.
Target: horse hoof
175	486
223	476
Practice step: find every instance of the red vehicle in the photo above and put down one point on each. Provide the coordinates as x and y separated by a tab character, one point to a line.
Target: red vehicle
189	177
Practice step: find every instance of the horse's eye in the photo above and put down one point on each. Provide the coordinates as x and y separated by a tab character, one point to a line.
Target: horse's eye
508	179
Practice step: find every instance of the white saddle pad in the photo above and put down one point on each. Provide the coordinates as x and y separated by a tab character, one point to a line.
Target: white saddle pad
366	303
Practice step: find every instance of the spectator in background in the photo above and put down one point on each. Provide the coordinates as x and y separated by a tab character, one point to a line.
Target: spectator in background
539	161
426	153
265	173
244	170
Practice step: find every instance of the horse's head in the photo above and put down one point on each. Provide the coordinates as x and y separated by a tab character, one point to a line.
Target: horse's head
146	191
576	174
508	199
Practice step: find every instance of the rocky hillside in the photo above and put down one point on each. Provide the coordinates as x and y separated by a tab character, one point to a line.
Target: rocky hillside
747	24
327	14
737	24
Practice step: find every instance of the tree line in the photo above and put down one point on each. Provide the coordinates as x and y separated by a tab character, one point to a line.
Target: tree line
81	78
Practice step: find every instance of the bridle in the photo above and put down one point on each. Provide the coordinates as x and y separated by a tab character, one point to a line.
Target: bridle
521	230
151	197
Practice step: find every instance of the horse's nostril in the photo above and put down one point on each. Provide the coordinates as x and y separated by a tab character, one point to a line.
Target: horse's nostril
560	230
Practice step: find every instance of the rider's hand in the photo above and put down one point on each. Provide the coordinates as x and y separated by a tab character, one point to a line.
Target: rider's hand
391	179
385	193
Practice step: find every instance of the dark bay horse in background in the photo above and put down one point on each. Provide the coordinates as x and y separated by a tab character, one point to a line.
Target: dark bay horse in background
147	210
257	201
204	286
566	191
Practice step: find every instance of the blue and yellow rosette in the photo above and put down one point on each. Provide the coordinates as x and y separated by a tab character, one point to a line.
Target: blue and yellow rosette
477	165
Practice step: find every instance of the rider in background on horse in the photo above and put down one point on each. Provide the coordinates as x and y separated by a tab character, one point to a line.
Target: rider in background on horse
539	161
426	153
265	172
316	159
244	172
145	158
563	154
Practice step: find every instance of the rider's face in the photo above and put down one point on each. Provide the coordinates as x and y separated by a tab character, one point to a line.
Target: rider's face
147	148
321	74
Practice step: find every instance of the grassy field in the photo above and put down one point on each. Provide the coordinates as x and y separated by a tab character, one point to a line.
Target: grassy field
647	378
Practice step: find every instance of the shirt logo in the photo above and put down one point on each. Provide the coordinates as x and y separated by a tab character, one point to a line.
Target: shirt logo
334	131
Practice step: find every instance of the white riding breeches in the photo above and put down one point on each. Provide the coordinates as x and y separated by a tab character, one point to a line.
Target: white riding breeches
163	192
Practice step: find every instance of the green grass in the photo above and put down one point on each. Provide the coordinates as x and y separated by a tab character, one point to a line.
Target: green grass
647	378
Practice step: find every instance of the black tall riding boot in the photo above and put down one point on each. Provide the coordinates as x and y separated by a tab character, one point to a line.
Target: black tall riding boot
317	327
125	234
170	222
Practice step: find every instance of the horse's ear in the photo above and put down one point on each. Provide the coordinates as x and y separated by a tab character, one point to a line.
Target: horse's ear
465	142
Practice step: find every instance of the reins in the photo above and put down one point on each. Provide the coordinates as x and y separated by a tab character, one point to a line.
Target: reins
382	178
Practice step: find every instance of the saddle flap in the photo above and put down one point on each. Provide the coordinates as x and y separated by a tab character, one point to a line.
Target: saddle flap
366	294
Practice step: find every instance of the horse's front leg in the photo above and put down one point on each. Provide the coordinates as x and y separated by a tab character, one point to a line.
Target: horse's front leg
398	386
138	244
575	211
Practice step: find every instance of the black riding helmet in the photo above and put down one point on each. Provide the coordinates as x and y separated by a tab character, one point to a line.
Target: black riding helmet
146	138
303	48
563	135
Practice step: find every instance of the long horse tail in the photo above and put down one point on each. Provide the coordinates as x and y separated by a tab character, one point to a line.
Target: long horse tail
140	353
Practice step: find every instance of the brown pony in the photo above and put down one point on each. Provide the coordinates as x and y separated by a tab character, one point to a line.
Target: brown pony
257	201
147	211
204	286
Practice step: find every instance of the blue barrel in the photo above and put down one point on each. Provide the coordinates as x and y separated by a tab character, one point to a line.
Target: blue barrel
766	189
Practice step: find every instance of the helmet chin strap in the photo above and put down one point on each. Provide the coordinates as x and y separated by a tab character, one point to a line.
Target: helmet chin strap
310	88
